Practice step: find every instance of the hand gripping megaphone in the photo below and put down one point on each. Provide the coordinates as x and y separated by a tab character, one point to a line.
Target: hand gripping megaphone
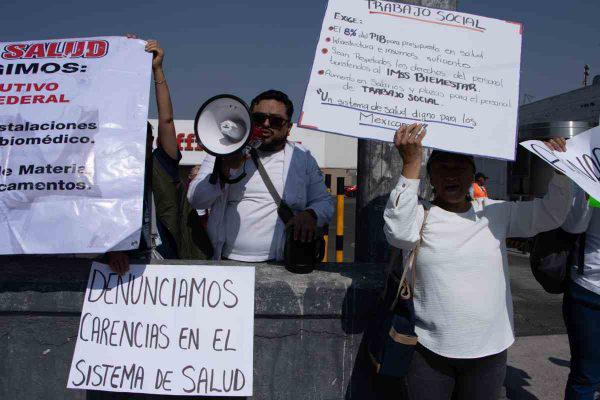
223	127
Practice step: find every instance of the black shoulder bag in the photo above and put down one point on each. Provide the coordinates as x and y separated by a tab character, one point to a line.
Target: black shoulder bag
391	337
300	257
552	255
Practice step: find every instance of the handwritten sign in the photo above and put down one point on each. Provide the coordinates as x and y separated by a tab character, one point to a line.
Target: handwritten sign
380	65
166	329
581	161
72	144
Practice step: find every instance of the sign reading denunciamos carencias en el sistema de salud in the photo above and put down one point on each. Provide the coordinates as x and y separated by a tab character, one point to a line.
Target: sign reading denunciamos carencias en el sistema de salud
73	118
167	329
379	65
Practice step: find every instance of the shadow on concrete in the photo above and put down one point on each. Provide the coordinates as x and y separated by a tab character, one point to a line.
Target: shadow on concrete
358	310
559	362
516	384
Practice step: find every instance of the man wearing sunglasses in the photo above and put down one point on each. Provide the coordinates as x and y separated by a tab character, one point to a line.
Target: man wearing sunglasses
243	222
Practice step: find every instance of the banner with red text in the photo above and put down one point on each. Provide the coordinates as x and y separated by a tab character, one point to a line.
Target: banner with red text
72	144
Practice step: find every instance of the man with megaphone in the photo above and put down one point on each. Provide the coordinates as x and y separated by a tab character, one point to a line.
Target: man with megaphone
267	196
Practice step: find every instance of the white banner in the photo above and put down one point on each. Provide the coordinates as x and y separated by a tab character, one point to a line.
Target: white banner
581	161
72	144
167	329
379	65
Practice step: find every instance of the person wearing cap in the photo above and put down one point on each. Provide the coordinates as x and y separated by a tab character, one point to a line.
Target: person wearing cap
462	298
478	190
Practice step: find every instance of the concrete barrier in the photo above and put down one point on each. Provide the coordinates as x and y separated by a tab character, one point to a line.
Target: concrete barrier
308	329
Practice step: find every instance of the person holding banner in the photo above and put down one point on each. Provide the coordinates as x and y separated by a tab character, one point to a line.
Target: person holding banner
243	222
179	226
462	298
581	302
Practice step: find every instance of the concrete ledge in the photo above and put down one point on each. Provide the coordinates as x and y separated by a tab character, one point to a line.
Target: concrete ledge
308	328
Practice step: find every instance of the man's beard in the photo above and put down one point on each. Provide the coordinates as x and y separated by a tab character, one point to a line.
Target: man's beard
274	145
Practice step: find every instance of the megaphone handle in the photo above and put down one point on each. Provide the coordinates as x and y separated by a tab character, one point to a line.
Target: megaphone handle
215	174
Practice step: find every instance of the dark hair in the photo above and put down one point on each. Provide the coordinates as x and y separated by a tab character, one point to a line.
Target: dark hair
275	95
480	175
437	154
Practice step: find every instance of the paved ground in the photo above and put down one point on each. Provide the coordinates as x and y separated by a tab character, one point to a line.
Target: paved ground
537	368
538	363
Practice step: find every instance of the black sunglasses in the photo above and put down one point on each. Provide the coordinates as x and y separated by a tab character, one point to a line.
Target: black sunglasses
276	122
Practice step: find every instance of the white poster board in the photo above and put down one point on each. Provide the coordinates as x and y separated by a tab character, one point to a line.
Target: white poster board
581	161
379	65
192	152
72	144
167	329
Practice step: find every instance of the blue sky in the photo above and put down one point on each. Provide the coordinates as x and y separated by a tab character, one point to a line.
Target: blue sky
242	47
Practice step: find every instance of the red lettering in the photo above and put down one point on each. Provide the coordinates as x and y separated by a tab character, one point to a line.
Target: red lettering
180	137
13	51
25	99
74	49
188	142
53	50
89	49
36	50
96	48
38	99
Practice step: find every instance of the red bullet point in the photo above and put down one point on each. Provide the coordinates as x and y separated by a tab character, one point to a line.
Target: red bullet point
331	28
328	39
321	72
324	51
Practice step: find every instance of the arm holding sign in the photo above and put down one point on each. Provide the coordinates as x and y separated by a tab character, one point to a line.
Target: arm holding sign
167	143
529	218
167	138
403	214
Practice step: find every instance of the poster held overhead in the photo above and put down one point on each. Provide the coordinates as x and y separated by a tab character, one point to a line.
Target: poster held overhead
379	65
73	118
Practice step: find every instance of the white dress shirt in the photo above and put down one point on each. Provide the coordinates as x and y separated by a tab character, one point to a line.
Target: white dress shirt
303	187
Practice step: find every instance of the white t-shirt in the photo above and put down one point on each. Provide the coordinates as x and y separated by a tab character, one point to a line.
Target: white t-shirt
462	295
251	212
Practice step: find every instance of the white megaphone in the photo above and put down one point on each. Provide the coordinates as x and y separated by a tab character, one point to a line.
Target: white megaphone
223	125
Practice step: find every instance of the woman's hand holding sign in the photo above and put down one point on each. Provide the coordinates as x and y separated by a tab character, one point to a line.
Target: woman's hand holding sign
408	140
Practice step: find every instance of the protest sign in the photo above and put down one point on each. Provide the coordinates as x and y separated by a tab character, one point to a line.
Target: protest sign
72	144
380	65
167	329
581	161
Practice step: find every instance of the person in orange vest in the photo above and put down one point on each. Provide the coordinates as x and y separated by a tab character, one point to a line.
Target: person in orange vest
478	190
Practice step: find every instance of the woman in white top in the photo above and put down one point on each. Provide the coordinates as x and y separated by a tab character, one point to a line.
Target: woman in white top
462	298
